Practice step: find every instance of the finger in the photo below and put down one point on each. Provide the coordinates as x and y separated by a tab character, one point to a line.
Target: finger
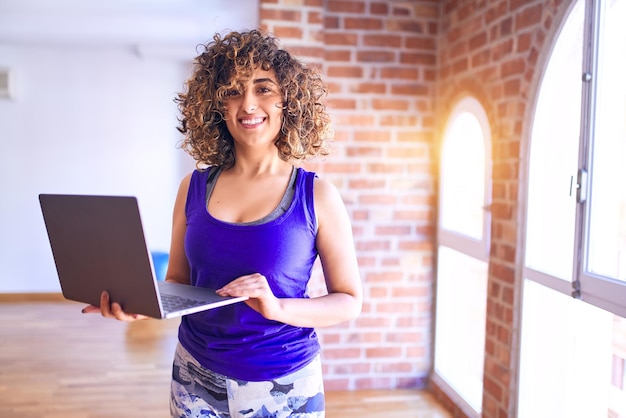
105	305
119	314
90	309
254	285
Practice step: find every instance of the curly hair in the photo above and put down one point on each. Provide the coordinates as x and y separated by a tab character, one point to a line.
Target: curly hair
224	64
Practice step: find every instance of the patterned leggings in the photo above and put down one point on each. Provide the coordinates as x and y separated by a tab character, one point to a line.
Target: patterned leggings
198	392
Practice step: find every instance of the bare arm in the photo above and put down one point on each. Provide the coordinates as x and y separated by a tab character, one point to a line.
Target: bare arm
339	263
178	267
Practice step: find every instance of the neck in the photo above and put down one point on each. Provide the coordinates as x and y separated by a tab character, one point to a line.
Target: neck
261	164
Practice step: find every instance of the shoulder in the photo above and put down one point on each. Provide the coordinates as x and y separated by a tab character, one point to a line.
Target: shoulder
197	176
184	183
327	199
324	189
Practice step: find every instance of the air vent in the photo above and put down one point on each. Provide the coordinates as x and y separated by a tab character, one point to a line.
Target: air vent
5	84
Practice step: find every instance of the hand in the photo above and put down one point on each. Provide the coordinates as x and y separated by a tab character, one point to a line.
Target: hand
112	310
256	288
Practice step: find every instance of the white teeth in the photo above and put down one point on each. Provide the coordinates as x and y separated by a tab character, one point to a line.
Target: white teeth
251	121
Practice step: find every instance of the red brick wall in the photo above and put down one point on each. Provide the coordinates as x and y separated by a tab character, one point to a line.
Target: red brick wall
379	60
395	69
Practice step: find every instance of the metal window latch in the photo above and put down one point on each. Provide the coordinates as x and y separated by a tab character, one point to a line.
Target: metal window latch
581	186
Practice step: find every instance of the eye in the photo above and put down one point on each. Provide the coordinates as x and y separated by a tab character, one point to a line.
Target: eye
228	94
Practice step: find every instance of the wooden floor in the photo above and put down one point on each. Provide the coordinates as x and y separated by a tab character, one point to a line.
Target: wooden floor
56	362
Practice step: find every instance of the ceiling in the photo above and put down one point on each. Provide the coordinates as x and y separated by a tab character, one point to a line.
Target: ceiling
142	24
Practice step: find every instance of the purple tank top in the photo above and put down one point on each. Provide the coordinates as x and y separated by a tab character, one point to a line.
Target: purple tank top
235	340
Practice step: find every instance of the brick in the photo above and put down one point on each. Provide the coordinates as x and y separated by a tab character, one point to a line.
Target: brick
375	56
512	67
364	152
369	87
372	136
328	338
343	168
395	307
331	22
308	51
342	353
340	103
414	246
362	23
400	73
413	136
394	368
390	104
345	71
338	55
396	230
379	8
478	41
527	17
288	32
405	25
410	89
387	277
390	262
363	246
340	39
331	384
372	383
383	352
405	337
280	14
420	42
401	10
480	58
366	183
399	120
424	10
315	18
387	41
345	6
352	368
377	322
378	292
417	58
385	167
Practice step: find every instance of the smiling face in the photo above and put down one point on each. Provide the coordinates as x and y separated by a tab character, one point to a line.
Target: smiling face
254	111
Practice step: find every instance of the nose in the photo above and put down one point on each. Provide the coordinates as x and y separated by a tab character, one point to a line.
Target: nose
249	102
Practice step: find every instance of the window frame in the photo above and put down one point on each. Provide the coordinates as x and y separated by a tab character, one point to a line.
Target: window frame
601	291
470	246
478	249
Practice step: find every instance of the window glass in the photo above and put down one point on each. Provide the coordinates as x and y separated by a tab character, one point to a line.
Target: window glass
566	357
463	176
462	256
607	225
551	209
460	326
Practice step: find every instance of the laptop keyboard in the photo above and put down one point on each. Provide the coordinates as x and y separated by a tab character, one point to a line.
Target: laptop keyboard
173	303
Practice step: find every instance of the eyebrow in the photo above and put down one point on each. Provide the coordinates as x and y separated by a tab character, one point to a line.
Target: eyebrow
263	80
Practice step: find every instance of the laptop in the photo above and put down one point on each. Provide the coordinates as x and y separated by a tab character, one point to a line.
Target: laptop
98	244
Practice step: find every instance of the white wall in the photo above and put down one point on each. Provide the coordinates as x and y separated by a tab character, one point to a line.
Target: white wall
92	117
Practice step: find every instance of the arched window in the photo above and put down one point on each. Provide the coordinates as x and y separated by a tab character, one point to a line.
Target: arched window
572	360
462	254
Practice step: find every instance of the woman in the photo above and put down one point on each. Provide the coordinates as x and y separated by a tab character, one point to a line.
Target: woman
249	222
